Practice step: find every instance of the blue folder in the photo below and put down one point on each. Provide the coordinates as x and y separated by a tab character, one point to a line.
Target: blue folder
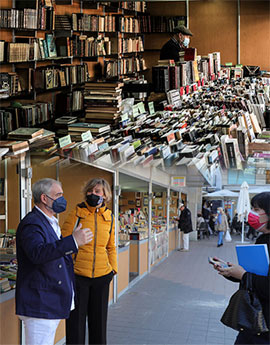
254	258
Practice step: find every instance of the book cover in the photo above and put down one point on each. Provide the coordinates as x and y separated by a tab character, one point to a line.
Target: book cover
51	45
254	258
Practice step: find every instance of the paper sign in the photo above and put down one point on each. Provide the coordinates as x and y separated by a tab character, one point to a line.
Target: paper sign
151	108
179	181
64	141
135	110
124	117
228	64
141	107
87	136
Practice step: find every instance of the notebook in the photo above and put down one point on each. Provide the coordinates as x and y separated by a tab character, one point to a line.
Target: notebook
254	258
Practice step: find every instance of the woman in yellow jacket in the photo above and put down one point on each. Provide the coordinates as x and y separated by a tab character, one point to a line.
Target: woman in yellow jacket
94	265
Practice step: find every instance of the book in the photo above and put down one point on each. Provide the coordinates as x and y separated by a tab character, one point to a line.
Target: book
254	258
13	145
94	127
51	45
26	133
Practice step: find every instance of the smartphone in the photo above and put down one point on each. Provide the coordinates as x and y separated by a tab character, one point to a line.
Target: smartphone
220	263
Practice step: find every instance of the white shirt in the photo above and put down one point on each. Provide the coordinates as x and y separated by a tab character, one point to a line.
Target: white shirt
55	225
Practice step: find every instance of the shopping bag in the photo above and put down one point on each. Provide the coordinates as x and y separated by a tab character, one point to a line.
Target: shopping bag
228	237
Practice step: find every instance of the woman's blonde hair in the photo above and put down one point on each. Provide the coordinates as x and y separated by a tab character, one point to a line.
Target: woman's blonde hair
221	210
90	185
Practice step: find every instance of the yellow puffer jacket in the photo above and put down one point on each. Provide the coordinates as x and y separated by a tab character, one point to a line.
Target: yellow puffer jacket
97	258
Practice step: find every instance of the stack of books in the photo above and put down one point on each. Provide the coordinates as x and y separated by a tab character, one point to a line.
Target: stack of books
14	147
103	102
75	130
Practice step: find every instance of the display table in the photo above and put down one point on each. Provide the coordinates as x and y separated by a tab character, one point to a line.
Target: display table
158	247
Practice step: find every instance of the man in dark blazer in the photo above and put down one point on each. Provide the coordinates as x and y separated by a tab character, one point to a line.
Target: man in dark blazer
179	41
45	278
185	227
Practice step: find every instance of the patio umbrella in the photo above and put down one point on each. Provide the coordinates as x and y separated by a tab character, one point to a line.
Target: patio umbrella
243	206
221	194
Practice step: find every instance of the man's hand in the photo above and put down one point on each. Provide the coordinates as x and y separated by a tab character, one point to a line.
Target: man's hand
82	236
234	271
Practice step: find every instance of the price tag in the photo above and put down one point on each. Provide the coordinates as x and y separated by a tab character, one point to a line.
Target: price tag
135	110
151	108
228	64
87	136
64	141
141	107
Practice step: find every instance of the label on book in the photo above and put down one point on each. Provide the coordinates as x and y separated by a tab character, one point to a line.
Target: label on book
135	110
141	107
151	108
65	141
87	136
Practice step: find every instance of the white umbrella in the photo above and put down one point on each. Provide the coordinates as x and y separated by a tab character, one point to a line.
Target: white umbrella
243	206
223	193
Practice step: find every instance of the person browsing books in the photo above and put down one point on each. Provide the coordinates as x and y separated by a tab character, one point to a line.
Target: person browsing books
94	265
45	279
259	219
178	42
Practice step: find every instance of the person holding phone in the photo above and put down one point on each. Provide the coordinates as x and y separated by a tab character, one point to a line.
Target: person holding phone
259	219
94	265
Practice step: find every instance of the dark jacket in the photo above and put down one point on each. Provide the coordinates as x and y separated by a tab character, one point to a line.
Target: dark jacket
45	277
184	223
170	51
262	283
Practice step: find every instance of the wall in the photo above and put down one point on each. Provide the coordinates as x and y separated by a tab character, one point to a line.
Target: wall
214	25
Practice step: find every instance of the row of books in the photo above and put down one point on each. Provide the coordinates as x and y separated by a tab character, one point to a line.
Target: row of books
87	22
149	24
66	103
103	101
139	6
24	116
28	18
124	66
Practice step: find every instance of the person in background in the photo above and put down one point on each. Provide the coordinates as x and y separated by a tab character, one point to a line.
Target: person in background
259	219
251	231
228	217
206	215
202	226
222	225
94	265
185	227
45	279
179	41
236	225
212	223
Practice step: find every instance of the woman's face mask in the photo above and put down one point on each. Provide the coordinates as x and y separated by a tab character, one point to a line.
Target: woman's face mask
94	200
257	221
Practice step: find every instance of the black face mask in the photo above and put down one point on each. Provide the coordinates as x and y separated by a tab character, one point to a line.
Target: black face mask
94	200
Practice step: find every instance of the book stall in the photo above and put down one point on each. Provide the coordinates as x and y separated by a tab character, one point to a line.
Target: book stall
84	94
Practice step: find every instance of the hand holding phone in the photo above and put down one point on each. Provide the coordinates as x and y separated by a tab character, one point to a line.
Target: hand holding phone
217	262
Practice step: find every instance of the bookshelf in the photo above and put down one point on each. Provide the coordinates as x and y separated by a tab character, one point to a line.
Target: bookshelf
4	196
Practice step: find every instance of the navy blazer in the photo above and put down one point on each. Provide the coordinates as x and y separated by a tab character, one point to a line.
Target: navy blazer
45	277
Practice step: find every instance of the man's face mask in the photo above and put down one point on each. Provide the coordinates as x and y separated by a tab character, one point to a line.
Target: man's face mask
59	205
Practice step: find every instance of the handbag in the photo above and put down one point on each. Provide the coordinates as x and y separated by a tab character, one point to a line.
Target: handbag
244	311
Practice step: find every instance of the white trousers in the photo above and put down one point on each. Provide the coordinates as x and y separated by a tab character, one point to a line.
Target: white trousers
39	331
184	240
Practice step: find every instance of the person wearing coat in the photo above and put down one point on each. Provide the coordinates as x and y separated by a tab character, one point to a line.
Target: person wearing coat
94	265
259	219
222	225
178	43
185	227
45	278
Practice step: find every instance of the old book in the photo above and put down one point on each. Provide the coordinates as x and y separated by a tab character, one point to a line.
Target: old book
26	133
13	145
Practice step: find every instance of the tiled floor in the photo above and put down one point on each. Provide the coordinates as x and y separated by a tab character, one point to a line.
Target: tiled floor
180	302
